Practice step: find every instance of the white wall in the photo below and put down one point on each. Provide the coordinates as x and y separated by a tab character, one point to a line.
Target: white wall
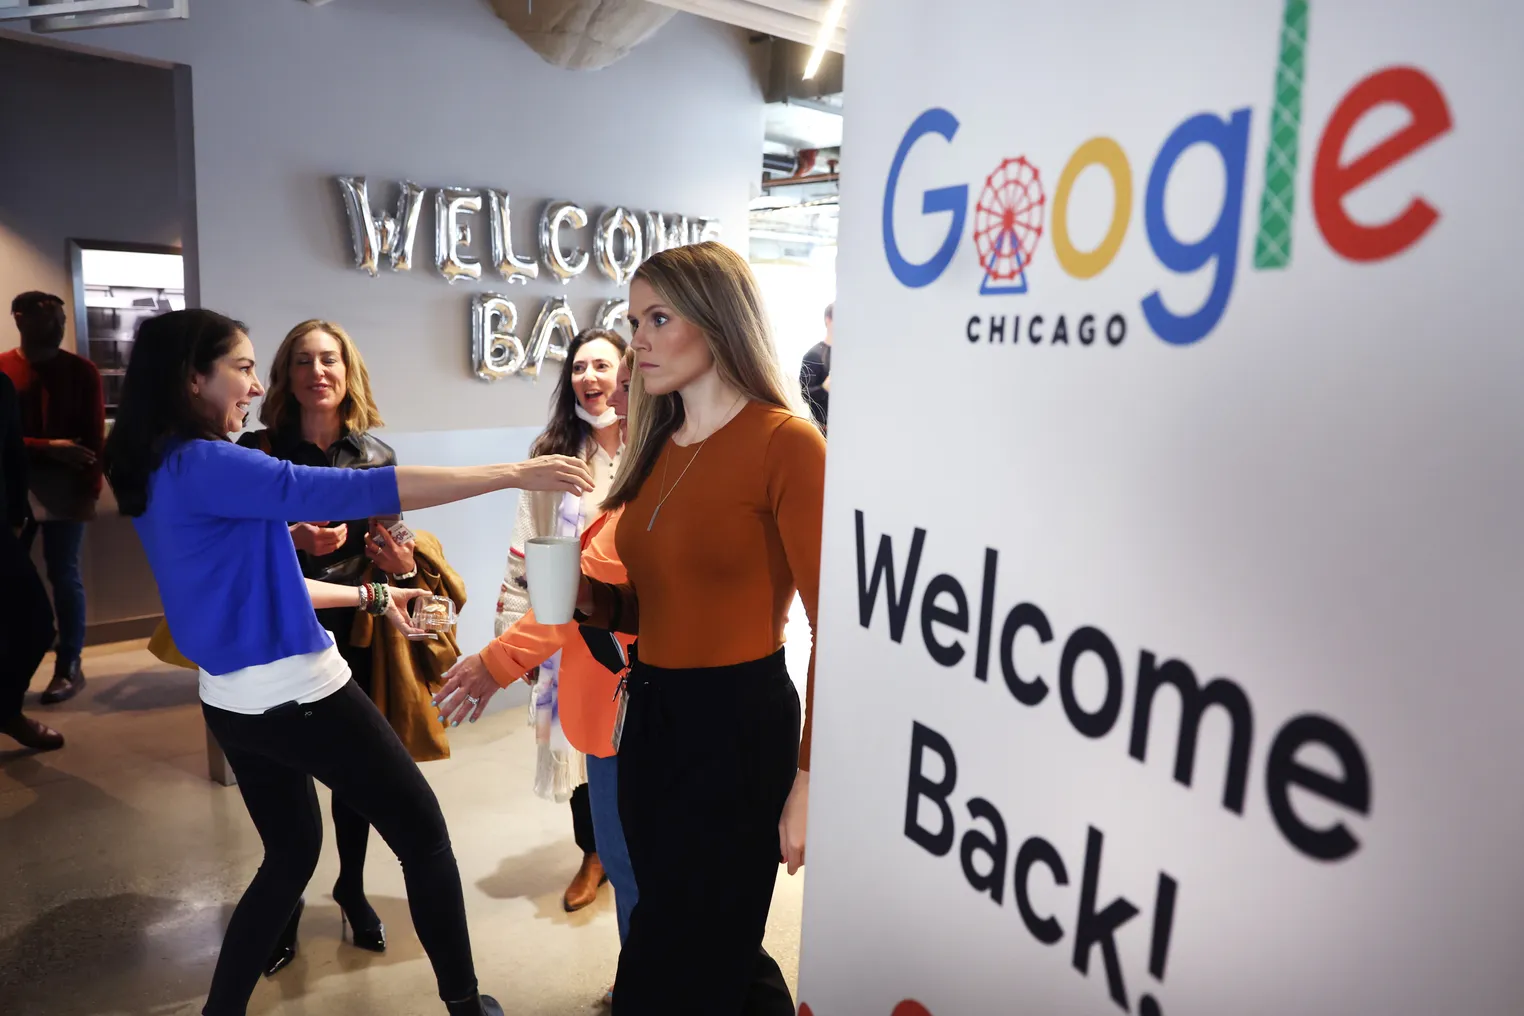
286	96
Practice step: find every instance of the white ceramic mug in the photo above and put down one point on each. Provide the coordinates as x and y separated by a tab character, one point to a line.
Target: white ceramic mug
553	568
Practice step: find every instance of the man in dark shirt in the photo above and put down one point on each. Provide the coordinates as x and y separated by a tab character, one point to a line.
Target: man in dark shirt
63	419
28	629
815	374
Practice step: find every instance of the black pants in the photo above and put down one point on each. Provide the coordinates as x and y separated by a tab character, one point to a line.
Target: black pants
705	766
582	820
351	831
344	741
27	632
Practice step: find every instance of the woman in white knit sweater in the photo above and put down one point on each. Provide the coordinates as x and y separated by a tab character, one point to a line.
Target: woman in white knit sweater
582	424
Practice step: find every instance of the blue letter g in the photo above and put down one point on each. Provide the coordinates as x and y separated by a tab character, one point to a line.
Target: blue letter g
943	199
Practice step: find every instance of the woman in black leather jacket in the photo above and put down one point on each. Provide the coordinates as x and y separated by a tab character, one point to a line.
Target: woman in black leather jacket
318	411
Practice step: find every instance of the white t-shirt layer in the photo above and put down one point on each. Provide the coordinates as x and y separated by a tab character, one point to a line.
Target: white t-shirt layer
257	689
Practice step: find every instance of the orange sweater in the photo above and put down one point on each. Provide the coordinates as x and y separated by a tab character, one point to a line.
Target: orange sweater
712	579
586	692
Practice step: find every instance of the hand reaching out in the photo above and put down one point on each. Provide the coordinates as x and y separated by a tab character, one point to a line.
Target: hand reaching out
397	612
467	688
555	473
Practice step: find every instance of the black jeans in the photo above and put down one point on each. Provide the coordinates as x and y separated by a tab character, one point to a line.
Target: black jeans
582	820
27	633
351	831
706	763
345	742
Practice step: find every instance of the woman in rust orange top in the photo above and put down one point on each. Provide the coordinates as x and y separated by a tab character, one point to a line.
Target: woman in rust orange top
720	490
588	695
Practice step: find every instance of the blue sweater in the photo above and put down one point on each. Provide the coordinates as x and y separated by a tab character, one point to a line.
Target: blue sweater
216	537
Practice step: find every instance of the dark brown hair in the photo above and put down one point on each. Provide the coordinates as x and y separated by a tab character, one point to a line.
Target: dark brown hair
156	412
566	433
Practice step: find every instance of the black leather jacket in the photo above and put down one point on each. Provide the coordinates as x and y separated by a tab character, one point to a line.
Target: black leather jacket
352	451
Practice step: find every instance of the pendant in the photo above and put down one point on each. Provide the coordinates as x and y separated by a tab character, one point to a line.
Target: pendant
653	518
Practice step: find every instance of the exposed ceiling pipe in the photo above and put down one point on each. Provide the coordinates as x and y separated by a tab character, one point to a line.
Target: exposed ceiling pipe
796	181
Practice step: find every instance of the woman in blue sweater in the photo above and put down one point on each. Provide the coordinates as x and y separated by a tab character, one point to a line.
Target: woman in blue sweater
274	689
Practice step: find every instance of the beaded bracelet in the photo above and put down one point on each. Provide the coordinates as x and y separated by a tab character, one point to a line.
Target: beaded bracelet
380	599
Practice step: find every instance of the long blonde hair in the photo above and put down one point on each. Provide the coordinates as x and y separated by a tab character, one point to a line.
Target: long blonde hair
280	409
712	288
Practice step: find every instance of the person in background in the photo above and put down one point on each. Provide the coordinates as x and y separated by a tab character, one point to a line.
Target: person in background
583	425
318	411
28	629
721	492
588	693
815	374
63	419
275	691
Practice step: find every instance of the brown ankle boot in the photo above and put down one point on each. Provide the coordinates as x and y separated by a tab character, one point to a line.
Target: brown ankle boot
584	886
33	735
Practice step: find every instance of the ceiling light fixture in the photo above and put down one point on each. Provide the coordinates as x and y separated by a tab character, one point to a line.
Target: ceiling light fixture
827	29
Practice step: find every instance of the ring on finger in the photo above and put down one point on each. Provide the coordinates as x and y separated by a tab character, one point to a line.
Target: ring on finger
472	699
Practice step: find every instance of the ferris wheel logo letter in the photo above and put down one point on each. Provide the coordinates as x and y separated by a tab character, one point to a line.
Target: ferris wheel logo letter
1013	210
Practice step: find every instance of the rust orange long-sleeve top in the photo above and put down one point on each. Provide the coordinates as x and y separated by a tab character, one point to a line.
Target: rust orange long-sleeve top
587	689
711	580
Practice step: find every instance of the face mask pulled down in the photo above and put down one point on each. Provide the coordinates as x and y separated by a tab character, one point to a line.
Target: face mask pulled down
607	418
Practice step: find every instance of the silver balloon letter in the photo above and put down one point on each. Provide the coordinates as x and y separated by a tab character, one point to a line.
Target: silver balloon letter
451	234
495	350
611	224
700	230
677	231
556	215
512	267
656	233
374	235
613	314
553	332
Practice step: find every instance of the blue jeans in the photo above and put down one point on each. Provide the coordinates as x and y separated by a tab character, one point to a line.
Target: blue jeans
603	793
61	543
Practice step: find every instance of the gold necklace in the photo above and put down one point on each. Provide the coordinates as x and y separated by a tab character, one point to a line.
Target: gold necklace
667	464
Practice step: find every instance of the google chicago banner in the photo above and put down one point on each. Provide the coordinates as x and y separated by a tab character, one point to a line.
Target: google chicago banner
1171	557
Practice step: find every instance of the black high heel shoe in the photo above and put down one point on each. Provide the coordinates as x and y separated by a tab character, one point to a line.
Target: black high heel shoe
368	932
285	950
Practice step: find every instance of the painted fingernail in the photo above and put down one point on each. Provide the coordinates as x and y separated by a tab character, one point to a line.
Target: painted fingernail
455	724
443	722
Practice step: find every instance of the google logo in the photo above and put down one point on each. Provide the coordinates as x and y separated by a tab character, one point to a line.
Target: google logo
1334	176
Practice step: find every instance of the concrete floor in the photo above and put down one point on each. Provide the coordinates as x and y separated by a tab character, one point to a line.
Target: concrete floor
120	863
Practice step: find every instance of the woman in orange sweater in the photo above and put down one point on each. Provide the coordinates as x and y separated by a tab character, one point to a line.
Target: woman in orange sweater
720	490
588	689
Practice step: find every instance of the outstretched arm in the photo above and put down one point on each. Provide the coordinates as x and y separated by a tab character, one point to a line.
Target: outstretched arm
232	482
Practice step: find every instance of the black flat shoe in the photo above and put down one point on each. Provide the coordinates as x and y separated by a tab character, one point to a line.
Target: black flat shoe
476	1005
359	919
285	950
